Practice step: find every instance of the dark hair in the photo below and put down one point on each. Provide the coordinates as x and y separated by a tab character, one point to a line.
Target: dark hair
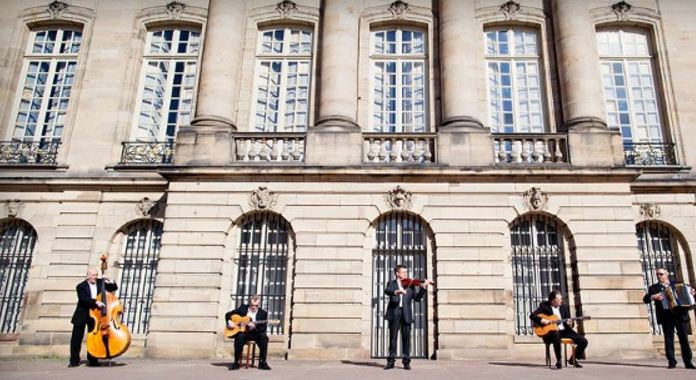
398	268
553	295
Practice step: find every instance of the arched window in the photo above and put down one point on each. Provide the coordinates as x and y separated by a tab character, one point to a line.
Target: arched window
658	249
138	265
168	83
538	266
515	80
17	240
401	238
283	78
398	80
262	264
50	66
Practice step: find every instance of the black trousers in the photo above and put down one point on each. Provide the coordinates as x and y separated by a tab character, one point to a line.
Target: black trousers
554	337
668	328
78	333
396	324
240	340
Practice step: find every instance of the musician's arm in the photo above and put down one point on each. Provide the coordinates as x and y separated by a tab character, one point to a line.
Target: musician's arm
261	328
84	298
391	288
110	286
419	295
651	292
535	317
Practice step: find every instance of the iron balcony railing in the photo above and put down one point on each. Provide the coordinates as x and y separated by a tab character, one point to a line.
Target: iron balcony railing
30	153
649	154
531	148
154	153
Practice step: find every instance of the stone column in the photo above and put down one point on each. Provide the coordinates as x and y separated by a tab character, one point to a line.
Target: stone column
462	137
336	137
591	143
208	141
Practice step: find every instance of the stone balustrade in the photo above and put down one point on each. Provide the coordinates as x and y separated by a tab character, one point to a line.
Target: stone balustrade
531	149
399	148
270	147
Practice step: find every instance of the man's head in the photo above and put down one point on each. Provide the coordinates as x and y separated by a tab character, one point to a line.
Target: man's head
401	272
555	298
92	275
662	275
254	303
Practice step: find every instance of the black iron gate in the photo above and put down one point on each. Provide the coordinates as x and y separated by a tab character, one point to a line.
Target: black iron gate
657	250
537	266
17	240
401	239
138	271
262	264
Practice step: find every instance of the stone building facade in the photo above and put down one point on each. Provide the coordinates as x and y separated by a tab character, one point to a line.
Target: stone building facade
299	149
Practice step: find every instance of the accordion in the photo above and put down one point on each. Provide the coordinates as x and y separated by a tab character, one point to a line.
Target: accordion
680	297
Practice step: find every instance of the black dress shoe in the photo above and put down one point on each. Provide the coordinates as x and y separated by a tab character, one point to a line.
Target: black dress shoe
672	366
71	365
690	366
407	366
264	366
389	366
559	365
93	365
233	366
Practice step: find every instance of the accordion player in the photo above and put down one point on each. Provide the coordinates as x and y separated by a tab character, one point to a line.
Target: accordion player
680	297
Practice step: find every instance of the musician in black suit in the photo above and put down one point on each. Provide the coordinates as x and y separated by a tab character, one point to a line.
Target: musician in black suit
87	292
400	314
554	306
676	319
254	332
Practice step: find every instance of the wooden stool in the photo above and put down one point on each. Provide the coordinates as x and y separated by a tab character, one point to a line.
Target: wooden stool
565	342
250	348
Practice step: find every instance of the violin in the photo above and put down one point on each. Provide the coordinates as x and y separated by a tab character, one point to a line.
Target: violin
109	338
407	282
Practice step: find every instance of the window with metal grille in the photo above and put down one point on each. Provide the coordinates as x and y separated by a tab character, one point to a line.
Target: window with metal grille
538	266
262	264
658	249
138	269
401	238
17	240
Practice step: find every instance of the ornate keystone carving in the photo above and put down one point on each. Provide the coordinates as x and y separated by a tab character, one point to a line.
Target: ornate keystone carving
147	207
535	199
650	211
286	8
398	9
175	9
56	8
622	10
12	207
399	199
510	9
263	199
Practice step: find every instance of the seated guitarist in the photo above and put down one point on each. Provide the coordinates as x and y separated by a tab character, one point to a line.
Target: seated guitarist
554	306
255	333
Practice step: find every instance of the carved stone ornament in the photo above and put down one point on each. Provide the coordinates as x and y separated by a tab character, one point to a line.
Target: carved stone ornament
263	199
535	199
146	207
12	208
622	10
56	8
650	211
399	199
398	9
286	8
175	9
510	9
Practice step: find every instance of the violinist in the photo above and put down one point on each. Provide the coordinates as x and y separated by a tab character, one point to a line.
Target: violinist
87	292
402	292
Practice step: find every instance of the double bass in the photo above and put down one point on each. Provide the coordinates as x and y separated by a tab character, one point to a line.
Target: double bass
109	338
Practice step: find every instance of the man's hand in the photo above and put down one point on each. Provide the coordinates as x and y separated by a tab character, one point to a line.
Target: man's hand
100	304
399	292
231	324
571	323
426	282
657	297
693	292
251	326
545	321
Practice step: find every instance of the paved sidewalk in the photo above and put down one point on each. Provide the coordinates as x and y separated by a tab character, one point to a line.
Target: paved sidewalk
148	369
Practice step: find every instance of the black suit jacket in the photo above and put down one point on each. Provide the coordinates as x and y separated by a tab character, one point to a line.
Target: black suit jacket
242	311
545	308
665	315
85	302
410	296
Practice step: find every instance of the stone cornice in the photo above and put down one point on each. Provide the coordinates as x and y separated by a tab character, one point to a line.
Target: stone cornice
51	184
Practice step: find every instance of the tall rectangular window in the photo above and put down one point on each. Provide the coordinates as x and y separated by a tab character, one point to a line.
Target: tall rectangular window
630	92
513	64
50	65
168	83
283	77
398	71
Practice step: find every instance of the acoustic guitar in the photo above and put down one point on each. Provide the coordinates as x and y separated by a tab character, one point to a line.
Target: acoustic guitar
241	324
541	330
